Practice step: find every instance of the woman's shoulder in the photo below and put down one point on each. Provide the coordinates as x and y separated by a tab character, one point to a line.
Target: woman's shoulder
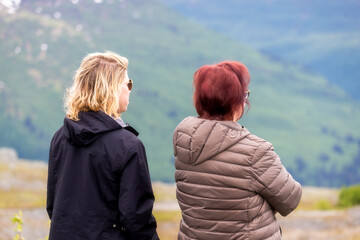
120	145
122	135
188	121
258	143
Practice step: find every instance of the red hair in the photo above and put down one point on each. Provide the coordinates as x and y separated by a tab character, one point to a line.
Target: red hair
220	90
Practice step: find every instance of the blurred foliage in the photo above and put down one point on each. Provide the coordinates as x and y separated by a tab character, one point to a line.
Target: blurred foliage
324	204
18	220
349	196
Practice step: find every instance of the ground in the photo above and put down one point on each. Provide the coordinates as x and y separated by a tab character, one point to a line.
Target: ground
23	187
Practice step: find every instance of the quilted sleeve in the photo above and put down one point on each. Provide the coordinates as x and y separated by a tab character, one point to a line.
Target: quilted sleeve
273	182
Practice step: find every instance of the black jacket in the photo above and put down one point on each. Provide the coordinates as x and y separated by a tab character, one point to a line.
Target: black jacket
98	182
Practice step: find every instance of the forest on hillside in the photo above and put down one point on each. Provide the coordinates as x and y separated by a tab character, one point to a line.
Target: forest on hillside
311	122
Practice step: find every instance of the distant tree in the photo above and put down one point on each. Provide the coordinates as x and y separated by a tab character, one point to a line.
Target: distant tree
324	130
338	149
300	164
172	114
324	157
29	124
349	139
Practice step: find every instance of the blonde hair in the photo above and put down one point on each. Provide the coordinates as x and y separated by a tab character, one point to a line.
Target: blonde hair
97	85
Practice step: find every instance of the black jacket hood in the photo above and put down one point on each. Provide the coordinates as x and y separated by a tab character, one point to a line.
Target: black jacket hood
99	186
90	127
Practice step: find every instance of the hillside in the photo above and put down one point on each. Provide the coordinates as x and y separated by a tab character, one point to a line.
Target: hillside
311	123
321	35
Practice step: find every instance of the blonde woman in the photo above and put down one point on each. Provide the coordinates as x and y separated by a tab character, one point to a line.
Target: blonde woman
98	181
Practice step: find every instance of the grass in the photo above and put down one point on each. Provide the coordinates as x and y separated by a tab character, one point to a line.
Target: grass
23	184
168	220
27	196
318	199
22	199
324	204
164	192
167	216
168	224
349	196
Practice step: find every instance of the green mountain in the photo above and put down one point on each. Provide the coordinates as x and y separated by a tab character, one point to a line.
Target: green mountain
322	35
313	125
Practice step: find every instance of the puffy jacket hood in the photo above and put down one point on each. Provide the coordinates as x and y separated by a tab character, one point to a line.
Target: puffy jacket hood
89	128
196	139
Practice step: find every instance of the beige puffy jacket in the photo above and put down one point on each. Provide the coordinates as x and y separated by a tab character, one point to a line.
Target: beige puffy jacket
229	182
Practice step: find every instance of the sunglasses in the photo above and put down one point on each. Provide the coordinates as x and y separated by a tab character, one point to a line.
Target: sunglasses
130	84
247	94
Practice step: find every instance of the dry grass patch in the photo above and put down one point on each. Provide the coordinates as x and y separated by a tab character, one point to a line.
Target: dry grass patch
318	199
22	199
23	184
168	224
164	192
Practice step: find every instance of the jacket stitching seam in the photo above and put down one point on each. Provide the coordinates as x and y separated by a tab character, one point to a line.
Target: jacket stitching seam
212	198
207	138
251	167
222	141
274	195
191	139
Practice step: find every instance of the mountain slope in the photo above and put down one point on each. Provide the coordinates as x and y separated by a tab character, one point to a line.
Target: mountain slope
322	35
310	122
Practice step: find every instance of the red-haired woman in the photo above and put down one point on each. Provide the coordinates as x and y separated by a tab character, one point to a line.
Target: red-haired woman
230	183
